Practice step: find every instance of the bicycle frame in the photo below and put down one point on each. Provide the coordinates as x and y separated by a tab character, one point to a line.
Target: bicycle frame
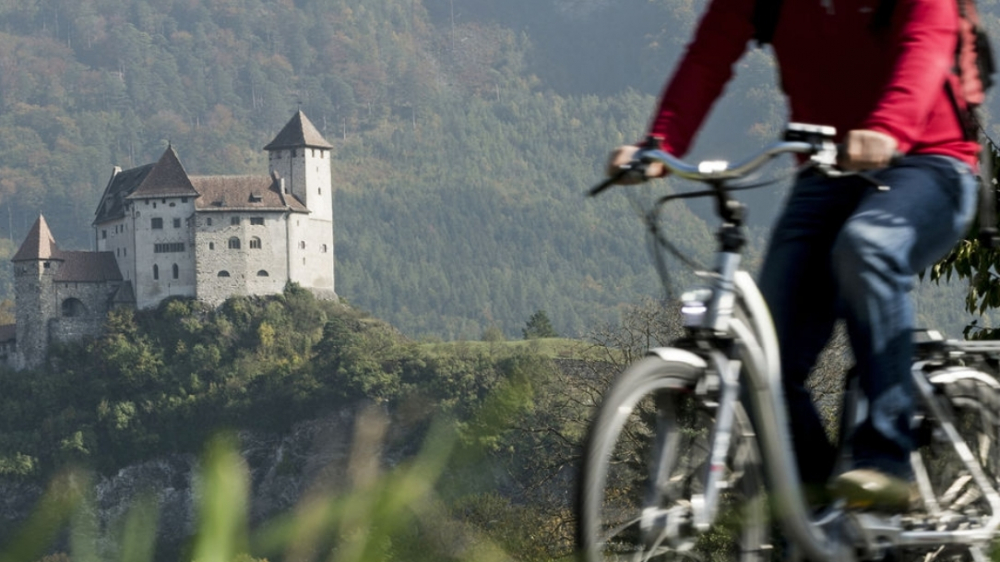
757	357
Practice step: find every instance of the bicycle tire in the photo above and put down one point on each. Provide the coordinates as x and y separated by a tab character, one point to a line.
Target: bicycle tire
974	406
651	407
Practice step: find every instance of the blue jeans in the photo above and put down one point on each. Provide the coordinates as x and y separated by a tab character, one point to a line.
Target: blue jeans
844	248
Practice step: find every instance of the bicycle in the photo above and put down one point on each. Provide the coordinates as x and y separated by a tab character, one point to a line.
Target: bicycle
689	453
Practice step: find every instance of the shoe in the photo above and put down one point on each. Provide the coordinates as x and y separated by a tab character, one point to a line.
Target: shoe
866	488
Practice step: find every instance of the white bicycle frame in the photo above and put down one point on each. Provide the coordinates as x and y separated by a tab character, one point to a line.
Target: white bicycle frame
757	349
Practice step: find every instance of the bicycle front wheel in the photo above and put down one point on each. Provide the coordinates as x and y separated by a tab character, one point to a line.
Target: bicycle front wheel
644	470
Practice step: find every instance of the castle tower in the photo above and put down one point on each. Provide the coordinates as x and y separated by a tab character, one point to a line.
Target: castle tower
35	265
299	158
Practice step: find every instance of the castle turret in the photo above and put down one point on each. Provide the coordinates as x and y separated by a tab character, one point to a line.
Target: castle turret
35	265
299	159
301	156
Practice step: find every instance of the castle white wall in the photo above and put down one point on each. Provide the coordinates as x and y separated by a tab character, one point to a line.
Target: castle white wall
153	273
307	175
118	238
312	254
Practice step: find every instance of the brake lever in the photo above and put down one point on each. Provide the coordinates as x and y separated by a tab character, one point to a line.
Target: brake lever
635	167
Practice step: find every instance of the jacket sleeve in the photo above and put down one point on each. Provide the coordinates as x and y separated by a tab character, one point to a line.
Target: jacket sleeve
706	67
924	34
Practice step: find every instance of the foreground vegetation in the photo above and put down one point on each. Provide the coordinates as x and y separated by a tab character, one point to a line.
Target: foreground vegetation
489	429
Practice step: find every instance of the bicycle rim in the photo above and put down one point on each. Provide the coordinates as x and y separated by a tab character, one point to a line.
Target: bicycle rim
650	413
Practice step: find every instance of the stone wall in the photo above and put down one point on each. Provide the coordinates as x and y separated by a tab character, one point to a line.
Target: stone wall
223	271
34	307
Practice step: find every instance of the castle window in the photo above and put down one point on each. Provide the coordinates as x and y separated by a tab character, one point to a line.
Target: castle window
184	199
46	265
172	204
255	243
255	198
156	271
258	221
208	221
234	243
293	153
177	271
223	273
234	221
319	191
154	204
262	273
323	248
168	248
72	307
164	201
104	235
177	223
302	245
211	245
157	222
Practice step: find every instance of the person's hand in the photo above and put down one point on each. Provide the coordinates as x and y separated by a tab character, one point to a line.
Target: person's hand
865	149
622	156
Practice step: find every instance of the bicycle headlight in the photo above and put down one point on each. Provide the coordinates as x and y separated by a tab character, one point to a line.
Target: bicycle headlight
694	305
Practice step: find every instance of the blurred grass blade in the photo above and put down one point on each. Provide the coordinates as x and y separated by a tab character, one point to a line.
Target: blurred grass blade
138	542
222	496
60	501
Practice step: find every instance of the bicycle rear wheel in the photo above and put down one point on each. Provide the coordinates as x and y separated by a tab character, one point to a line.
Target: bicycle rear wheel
644	469
954	500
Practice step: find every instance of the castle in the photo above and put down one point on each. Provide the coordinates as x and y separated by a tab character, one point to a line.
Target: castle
160	233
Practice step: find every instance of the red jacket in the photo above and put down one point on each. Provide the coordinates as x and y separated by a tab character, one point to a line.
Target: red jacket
834	69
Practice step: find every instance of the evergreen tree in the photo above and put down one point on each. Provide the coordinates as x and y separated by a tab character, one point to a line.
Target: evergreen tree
539	326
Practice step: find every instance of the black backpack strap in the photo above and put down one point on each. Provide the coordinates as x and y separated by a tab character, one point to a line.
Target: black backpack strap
765	20
767	12
989	237
883	15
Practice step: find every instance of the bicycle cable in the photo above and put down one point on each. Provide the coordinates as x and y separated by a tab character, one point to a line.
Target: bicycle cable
660	245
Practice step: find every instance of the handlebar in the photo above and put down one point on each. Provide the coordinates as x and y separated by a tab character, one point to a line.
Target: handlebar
817	141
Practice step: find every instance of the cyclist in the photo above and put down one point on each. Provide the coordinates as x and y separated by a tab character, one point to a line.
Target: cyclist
844	246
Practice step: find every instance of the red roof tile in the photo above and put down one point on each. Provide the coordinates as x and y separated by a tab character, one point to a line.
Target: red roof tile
87	267
243	193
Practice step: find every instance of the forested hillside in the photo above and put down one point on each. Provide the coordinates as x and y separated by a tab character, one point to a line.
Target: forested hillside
465	133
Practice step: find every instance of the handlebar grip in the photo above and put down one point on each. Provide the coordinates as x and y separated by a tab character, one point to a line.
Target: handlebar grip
895	159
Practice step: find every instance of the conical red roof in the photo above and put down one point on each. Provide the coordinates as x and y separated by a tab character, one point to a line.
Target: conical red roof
39	244
299	132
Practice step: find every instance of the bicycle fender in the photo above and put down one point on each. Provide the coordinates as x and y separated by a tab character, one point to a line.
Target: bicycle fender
949	376
679	356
